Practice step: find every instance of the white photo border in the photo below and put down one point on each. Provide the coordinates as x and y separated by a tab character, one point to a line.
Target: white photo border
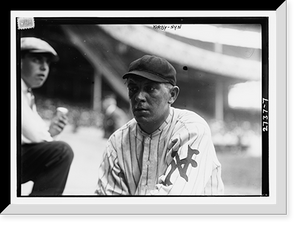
275	203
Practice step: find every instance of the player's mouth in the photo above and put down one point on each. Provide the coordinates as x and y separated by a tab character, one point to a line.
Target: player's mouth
140	110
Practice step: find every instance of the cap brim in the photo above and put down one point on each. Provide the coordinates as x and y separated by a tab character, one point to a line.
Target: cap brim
53	58
145	74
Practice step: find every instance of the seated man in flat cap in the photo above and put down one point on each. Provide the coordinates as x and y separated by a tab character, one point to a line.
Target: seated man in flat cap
162	150
44	161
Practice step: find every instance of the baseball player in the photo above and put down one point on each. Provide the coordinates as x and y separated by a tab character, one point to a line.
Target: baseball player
162	150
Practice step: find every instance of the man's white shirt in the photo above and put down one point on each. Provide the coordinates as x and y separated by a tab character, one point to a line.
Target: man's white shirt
34	128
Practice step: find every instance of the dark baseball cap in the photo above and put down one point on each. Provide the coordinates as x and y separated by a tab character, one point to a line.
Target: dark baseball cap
38	46
153	68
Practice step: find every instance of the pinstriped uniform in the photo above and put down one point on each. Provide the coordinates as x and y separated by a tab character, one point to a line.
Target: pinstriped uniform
177	159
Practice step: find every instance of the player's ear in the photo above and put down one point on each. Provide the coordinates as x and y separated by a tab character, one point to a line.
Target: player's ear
174	91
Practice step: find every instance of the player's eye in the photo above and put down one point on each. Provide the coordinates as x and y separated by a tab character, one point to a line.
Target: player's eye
149	88
132	89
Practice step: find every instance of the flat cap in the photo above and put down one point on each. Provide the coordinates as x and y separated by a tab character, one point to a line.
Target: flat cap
36	45
154	68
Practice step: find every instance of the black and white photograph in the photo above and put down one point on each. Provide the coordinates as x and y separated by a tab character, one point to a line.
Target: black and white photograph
130	108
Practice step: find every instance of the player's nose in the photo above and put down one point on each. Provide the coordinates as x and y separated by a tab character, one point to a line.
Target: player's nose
140	96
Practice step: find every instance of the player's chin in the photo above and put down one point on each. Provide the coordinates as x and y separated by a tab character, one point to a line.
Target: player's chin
142	119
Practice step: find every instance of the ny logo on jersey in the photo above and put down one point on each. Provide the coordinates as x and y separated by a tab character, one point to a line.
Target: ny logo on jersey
182	165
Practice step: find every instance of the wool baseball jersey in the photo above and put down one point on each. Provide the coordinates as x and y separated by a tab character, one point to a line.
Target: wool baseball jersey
177	159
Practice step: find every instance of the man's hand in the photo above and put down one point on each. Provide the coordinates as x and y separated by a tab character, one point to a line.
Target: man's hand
57	124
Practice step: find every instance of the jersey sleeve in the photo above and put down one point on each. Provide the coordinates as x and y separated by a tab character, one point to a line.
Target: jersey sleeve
193	167
111	179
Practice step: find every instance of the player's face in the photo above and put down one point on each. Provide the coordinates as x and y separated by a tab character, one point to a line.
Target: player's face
149	102
34	69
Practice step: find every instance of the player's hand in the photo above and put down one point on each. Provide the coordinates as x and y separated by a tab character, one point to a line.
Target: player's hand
57	124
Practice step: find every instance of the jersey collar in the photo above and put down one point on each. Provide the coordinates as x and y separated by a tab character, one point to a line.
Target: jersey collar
158	131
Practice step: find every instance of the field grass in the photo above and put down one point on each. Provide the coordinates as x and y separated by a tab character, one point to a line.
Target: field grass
241	173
